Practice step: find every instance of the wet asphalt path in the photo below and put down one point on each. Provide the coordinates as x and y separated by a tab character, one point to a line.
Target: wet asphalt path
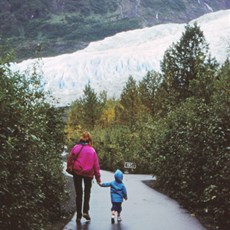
145	209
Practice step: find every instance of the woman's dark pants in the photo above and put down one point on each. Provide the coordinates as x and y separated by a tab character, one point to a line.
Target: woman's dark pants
79	193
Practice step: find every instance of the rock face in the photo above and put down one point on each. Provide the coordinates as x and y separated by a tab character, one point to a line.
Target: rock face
154	12
108	63
62	26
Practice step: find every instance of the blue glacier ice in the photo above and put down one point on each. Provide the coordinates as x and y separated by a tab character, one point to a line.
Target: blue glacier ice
108	63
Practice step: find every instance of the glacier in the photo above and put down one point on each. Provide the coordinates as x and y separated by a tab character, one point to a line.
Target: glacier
107	64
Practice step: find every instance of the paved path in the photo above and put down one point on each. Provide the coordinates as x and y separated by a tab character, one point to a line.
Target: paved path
145	209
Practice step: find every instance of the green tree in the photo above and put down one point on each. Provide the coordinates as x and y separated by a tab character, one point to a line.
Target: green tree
183	62
129	109
202	86
73	126
91	107
108	113
148	87
85	113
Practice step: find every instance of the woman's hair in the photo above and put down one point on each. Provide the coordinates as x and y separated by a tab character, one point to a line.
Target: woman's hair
86	137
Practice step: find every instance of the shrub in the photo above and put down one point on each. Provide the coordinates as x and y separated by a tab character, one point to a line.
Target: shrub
31	138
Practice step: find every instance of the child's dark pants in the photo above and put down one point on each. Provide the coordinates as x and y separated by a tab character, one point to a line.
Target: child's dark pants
116	206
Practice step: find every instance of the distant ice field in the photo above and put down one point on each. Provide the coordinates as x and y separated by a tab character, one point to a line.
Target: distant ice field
108	63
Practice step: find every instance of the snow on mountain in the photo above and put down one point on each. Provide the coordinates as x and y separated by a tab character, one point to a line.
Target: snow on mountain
108	63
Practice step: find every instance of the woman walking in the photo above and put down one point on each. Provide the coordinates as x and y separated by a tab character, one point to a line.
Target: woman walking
86	166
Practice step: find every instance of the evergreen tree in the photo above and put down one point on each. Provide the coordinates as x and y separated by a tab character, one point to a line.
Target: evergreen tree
74	121
108	113
92	107
183	62
85	113
148	87
130	103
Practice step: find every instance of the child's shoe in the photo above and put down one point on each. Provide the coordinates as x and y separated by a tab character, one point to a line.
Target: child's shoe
112	220
86	216
119	219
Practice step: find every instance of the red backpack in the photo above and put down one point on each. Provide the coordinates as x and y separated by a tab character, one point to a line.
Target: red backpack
70	161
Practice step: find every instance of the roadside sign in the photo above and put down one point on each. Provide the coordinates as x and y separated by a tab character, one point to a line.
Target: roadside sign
130	165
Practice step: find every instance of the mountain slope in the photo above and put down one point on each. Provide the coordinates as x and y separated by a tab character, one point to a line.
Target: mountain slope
59	26
108	63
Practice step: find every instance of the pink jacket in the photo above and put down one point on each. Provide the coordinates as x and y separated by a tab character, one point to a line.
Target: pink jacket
87	163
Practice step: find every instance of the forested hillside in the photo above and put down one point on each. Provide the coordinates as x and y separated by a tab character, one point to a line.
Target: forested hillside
57	26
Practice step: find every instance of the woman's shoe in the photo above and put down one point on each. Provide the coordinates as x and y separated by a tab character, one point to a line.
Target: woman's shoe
78	220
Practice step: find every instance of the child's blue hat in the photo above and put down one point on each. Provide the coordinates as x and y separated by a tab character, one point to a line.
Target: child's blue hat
118	175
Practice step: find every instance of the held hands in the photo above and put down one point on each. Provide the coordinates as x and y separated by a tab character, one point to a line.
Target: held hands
99	182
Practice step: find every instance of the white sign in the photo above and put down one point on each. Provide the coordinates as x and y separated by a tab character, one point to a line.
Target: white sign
130	165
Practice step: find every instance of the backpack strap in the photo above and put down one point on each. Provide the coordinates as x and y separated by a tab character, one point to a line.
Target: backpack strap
76	156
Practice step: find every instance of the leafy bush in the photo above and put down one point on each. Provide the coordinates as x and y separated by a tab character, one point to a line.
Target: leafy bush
31	136
117	145
191	145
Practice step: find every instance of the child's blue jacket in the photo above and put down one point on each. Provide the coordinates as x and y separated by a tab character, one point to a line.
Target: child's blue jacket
117	188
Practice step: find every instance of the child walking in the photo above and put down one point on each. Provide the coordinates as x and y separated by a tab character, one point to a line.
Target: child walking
118	193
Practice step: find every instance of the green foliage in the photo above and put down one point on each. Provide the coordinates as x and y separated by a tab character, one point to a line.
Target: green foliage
107	143
174	125
85	113
129	104
103	6
191	144
148	88
117	145
184	62
190	141
129	101
159	5
31	136
91	107
108	113
73	124
59	27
